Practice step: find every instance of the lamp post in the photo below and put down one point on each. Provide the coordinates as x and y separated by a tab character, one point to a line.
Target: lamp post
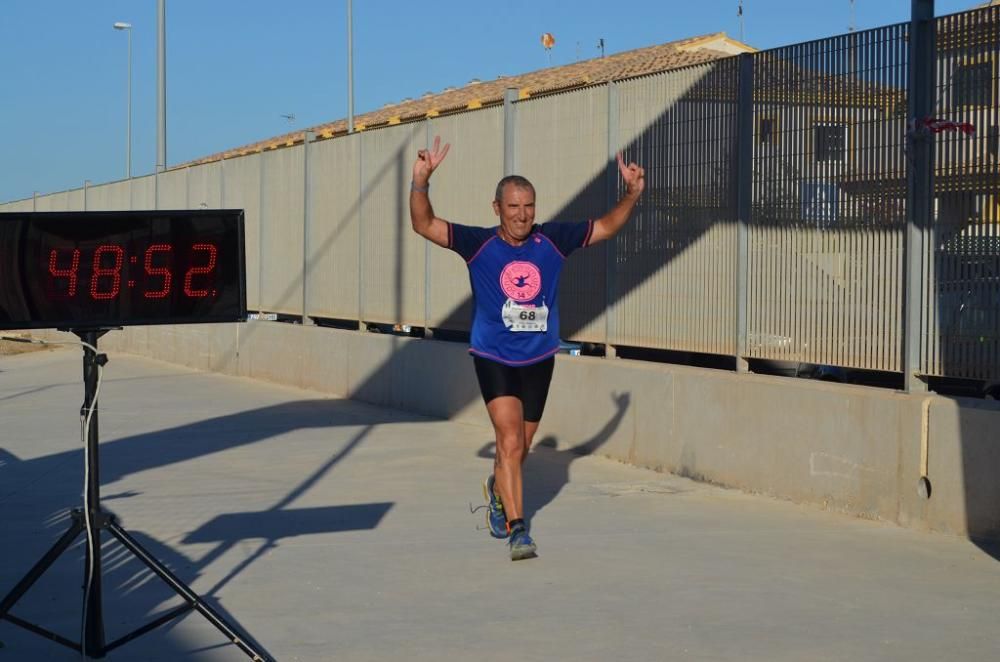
128	130
161	85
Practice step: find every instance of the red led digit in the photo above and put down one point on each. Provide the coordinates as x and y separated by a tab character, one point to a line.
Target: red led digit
65	273
195	271
164	272
114	273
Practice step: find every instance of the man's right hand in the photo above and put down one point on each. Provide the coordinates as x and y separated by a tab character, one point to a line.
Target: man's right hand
427	162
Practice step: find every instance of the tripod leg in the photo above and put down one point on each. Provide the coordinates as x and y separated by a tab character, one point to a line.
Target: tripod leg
185	592
93	627
43	564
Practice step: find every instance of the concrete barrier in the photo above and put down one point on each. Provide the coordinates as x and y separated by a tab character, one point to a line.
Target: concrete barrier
849	448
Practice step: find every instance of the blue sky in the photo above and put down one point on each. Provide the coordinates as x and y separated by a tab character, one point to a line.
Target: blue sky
234	67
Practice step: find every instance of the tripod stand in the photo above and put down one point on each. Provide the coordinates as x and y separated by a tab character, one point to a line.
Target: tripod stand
92	519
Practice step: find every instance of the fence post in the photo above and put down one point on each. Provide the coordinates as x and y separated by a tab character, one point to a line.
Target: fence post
428	253
744	200
262	201
611	246
307	221
361	227
919	187
222	183
509	131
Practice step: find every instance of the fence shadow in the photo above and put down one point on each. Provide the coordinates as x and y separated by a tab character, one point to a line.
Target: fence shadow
41	489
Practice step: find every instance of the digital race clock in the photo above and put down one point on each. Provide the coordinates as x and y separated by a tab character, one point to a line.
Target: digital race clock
106	269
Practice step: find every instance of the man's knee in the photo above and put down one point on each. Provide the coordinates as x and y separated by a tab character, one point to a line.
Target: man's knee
510	450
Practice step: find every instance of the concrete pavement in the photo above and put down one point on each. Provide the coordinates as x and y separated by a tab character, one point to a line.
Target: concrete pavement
333	530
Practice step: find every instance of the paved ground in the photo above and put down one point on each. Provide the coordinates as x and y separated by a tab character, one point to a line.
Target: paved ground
331	530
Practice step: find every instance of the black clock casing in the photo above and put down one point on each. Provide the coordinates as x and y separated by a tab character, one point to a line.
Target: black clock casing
108	269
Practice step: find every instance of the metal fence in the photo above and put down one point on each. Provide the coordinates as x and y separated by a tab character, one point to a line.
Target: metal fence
773	225
962	316
826	233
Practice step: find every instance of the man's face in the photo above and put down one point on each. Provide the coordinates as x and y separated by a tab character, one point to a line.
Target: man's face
516	210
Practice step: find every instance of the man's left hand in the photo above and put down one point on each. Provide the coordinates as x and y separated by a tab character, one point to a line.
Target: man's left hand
634	176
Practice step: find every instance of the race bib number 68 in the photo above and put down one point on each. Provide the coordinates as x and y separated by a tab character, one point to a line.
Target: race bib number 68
517	317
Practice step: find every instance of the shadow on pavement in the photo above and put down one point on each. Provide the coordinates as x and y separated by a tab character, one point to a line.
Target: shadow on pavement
37	493
546	471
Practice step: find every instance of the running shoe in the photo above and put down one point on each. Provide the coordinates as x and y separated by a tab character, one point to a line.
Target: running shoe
521	545
496	520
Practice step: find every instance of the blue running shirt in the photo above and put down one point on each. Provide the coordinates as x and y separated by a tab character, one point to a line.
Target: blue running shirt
515	318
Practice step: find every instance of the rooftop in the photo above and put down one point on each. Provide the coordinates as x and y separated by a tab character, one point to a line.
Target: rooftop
478	94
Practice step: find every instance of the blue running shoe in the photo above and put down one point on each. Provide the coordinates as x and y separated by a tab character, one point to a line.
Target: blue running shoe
496	520
521	545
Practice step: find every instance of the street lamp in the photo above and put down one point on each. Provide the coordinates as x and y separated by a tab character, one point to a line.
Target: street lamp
128	130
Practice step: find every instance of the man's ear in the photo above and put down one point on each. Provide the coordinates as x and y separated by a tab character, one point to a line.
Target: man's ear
496	208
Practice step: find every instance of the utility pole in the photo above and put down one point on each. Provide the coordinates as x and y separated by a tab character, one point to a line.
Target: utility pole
161	85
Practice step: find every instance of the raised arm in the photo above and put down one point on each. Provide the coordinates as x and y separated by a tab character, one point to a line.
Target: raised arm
608	225
425	223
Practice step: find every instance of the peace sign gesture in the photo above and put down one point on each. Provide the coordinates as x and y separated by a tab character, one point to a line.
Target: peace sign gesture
428	160
634	176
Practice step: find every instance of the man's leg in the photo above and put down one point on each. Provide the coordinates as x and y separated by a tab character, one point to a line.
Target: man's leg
514	399
530	428
508	421
535	380
509	427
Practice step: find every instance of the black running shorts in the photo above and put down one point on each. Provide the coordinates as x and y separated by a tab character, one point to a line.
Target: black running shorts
529	384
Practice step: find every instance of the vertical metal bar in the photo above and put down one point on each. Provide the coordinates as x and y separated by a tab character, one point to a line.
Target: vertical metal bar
744	198
187	187
307	222
895	294
865	344
161	88
261	218
86	193
611	245
509	129
350	69
93	640
222	183
919	184
359	140
128	124
34	201
428	253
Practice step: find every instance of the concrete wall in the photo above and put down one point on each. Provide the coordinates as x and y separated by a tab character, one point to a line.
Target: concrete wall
848	448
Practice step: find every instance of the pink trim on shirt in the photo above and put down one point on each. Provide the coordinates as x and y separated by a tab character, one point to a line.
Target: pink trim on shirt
469	261
590	233
552	243
485	355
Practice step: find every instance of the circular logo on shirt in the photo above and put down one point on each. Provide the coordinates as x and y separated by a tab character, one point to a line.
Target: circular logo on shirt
521	281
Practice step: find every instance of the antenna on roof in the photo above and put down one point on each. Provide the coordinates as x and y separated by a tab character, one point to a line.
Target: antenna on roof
290	117
739	13
600	45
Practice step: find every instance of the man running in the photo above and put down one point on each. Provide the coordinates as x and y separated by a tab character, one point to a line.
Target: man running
514	269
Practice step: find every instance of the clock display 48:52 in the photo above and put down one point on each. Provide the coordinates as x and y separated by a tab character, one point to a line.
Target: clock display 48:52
155	271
